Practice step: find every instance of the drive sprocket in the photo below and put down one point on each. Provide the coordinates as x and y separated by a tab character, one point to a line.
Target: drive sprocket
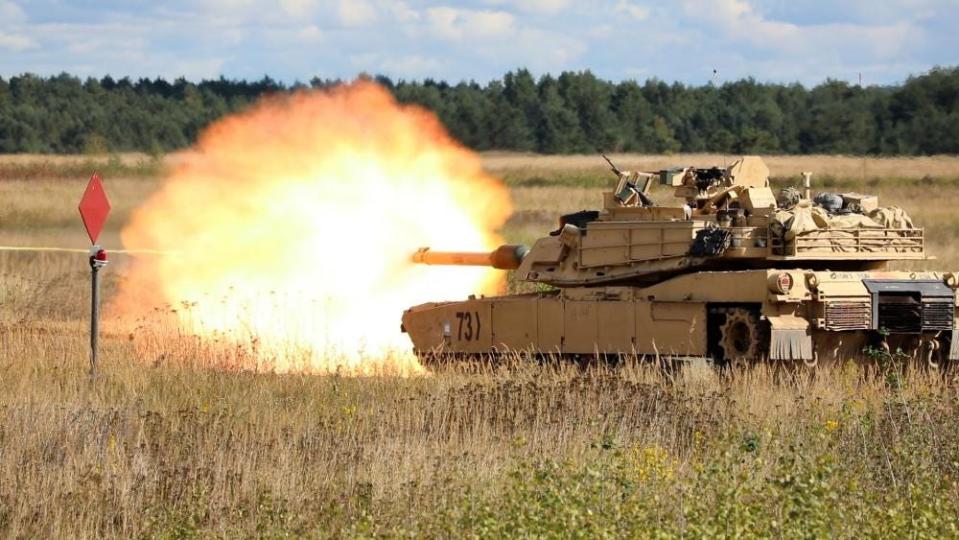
741	336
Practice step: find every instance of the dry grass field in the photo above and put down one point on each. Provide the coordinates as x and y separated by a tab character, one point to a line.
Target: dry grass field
592	170
161	444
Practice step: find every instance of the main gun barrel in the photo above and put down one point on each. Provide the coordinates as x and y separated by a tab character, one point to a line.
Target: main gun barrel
506	257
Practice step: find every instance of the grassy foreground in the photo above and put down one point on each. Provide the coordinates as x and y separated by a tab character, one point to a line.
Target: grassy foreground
161	445
174	449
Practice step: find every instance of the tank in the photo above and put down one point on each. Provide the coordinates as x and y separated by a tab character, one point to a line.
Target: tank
732	272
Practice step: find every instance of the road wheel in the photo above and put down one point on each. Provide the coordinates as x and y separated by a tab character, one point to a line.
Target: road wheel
741	337
934	355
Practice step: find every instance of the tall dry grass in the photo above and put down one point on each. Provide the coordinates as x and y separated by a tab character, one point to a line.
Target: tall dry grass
526	168
836	166
127	158
173	448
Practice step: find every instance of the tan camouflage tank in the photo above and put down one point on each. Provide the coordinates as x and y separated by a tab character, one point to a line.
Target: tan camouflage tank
731	273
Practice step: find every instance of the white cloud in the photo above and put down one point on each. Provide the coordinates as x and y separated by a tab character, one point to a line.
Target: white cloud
741	22
536	7
80	44
11	14
16	42
298	8
546	51
219	14
228	6
456	24
600	32
121	46
737	18
310	34
400	11
356	12
480	39
489	23
636	11
543	6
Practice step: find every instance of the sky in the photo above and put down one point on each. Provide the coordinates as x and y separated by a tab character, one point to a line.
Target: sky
691	41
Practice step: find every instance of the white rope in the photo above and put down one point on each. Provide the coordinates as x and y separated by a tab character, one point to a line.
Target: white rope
86	251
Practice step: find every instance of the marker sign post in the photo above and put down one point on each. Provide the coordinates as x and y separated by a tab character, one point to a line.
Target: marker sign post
94	209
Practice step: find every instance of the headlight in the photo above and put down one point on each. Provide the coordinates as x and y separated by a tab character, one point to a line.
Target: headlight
781	283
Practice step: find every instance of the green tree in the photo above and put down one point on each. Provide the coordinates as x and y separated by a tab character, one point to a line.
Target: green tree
573	112
558	130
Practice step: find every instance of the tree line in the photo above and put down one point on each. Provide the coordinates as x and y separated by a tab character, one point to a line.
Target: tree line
575	112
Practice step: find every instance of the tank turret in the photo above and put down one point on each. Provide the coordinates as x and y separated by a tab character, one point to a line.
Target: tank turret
726	218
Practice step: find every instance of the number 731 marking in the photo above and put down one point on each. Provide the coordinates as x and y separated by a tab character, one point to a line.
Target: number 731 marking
469	327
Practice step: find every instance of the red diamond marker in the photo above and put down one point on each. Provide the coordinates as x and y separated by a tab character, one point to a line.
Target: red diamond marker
94	207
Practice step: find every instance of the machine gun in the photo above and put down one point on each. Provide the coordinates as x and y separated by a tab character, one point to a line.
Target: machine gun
627	188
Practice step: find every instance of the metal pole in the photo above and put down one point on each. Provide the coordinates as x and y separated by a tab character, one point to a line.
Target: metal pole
98	259
94	313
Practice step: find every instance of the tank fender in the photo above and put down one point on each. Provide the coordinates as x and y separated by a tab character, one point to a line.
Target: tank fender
790	338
